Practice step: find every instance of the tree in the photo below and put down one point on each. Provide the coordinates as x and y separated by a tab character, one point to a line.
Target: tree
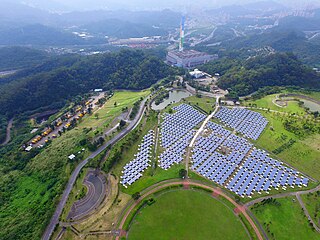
182	173
96	115
122	123
136	196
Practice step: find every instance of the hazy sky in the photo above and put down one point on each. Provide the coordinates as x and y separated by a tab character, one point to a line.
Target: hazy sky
146	4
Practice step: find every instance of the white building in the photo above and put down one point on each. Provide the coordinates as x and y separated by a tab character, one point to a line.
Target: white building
196	73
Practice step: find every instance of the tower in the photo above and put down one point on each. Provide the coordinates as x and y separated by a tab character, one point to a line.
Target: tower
182	33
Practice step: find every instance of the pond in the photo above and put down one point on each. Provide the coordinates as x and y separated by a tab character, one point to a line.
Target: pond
175	96
314	107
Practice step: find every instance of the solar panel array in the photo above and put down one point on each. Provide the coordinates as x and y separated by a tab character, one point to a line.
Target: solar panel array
234	163
133	170
250	124
176	133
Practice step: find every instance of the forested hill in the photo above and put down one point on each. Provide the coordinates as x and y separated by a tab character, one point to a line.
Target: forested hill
280	69
70	76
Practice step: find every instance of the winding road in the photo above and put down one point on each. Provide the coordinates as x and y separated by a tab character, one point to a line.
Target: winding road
55	218
8	134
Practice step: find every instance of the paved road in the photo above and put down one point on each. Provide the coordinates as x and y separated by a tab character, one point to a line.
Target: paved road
218	191
307	213
55	218
199	132
8	133
281	195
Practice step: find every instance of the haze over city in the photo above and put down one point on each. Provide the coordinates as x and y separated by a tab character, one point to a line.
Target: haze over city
83	5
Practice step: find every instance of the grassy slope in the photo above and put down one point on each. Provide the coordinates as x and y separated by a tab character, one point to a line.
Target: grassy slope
301	155
286	221
312	203
186	215
29	211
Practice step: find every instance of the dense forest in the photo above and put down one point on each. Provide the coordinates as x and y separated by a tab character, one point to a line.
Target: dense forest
12	58
279	39
61	79
280	69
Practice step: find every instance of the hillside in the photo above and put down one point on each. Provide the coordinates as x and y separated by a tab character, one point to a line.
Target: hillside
281	69
20	57
123	29
74	75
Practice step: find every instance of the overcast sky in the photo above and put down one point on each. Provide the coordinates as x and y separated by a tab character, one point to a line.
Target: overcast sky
146	4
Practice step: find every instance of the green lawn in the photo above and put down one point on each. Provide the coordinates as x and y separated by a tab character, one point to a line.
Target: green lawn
205	103
266	102
312	203
109	111
284	221
186	215
302	155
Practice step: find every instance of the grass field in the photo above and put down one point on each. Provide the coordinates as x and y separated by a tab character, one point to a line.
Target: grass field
266	102
111	109
186	215
204	103
285	221
312	203
302	155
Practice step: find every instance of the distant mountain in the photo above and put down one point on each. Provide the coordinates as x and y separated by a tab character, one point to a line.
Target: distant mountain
38	35
20	13
266	6
122	29
164	19
299	23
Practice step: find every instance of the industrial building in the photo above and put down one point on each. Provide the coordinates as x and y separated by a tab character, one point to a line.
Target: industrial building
187	58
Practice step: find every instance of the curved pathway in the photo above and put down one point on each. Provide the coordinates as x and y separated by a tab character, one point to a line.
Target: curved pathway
216	191
297	195
8	133
55	218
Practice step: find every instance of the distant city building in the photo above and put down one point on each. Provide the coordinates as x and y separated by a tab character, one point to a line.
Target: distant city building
189	58
196	73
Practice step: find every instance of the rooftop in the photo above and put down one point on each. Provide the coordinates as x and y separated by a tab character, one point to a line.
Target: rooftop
188	53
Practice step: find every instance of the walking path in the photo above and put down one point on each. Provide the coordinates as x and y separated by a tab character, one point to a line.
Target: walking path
199	132
8	133
215	190
297	195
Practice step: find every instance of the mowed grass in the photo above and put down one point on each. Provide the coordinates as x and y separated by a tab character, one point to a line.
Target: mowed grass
205	103
286	221
312	203
266	102
186	214
102	117
303	156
